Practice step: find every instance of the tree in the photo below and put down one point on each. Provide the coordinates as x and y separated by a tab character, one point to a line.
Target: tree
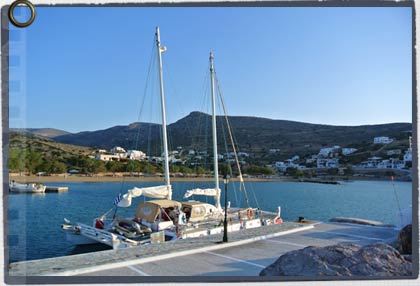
294	172
33	160
45	166
225	169
149	168
133	166
348	171
98	166
260	170
16	160
114	166
58	167
174	168
199	170
309	173
332	171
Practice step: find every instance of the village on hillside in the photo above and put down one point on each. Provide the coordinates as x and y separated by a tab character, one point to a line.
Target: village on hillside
331	161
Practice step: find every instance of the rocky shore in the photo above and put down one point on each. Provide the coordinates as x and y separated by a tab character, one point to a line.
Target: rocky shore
378	260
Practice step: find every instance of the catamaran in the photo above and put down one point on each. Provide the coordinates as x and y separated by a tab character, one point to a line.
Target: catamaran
162	218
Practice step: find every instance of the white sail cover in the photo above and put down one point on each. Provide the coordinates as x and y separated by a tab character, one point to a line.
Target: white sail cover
156	192
204	192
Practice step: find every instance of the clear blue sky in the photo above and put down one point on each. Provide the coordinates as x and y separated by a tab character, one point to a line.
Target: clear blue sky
342	66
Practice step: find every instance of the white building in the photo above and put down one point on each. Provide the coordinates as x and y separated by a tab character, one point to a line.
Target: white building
408	156
391	164
295	158
191	152
371	163
312	159
107	157
229	155
382	140
118	149
243	154
322	163
326	151
348	151
156	159
283	166
174	160
393	152
272	151
136	155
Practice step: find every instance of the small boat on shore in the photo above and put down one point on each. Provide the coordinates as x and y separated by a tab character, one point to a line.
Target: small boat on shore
16	187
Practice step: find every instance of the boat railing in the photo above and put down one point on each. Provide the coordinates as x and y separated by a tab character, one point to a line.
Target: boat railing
106	237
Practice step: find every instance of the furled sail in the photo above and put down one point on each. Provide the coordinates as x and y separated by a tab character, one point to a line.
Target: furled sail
205	192
198	191
156	192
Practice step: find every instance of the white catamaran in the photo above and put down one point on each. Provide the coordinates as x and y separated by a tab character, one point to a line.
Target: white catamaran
162	218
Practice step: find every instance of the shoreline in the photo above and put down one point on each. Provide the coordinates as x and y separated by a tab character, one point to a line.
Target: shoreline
127	178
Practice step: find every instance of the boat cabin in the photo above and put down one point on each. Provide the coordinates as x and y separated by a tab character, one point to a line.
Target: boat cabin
197	211
157	210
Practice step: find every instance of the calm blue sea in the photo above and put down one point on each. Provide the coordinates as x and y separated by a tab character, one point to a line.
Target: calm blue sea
35	219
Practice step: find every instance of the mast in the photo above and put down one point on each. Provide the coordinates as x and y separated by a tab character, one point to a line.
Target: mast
160	50
215	156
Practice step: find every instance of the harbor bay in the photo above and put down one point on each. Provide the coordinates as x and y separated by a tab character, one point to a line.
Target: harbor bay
34	220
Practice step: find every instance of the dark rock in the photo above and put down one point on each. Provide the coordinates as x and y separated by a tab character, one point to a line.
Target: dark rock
404	240
341	260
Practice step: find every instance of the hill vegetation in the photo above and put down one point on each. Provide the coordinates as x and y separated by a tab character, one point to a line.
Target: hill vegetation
32	150
253	135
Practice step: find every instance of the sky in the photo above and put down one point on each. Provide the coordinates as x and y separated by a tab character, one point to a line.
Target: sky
86	68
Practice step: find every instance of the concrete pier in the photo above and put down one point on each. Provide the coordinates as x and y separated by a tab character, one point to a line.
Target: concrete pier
246	253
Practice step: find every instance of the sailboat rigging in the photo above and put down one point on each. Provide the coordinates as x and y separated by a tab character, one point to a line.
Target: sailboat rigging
162	216
152	216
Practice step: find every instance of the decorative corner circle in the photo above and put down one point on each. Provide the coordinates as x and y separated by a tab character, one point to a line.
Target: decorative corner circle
12	17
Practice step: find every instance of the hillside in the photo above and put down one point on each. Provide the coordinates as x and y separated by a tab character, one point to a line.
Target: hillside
252	134
40	132
46	147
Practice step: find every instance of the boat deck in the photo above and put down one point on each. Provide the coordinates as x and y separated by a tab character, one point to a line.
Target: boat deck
246	253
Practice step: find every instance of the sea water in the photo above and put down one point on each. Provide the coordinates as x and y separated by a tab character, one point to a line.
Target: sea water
34	219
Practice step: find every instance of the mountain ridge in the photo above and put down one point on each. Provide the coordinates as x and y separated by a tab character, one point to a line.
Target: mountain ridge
252	134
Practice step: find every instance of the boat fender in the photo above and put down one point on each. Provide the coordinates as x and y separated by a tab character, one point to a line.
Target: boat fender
99	224
250	213
278	221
